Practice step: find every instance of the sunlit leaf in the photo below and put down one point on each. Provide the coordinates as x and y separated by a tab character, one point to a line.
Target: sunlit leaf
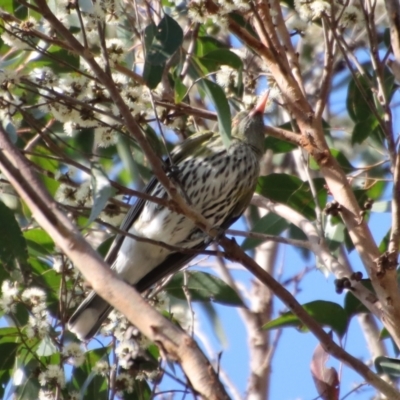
102	191
218	98
270	224
202	287
325	313
292	191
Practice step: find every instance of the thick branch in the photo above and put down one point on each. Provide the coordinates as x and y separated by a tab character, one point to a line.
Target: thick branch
176	344
237	254
319	247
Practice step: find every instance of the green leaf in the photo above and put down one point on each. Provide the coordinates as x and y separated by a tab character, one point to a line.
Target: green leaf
39	242
7	360
218	98
8	353
352	305
29	388
243	22
340	158
270	224
46	347
363	129
141	391
102	191
292	191
325	313
334	233
205	44
166	38
360	99
384	244
58	59
125	154
278	146
152	74
20	11
90	385
202	287
8	6
160	43
387	365
180	90
12	243
214	58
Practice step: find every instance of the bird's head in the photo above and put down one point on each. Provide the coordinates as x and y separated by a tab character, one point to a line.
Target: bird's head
249	126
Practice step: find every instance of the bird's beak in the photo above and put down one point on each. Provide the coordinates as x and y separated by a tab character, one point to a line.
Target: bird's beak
260	107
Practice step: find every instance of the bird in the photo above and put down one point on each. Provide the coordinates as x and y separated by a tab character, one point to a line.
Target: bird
217	180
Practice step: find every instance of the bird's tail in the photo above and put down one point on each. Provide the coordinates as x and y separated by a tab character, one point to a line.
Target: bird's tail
86	320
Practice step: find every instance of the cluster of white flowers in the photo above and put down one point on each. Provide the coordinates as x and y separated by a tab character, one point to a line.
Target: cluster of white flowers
227	77
117	326
9	296
51	395
352	16
9	77
66	194
112	213
74	354
52	376
181	313
124	383
126	350
38	323
46	394
162	301
309	10
16	35
102	368
198	11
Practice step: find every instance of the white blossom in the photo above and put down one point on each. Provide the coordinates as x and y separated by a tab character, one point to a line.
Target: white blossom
84	194
9	289
46	395
227	76
38	326
16	37
34	296
117	325
105	136
116	50
74	353
124	382
102	367
126	350
9	76
351	16
53	375
9	293
73	395
66	194
295	23
319	7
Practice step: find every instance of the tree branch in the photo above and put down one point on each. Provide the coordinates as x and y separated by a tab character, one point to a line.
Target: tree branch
175	343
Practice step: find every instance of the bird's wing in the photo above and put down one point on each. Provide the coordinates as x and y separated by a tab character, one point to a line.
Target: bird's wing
174	262
190	145
178	154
